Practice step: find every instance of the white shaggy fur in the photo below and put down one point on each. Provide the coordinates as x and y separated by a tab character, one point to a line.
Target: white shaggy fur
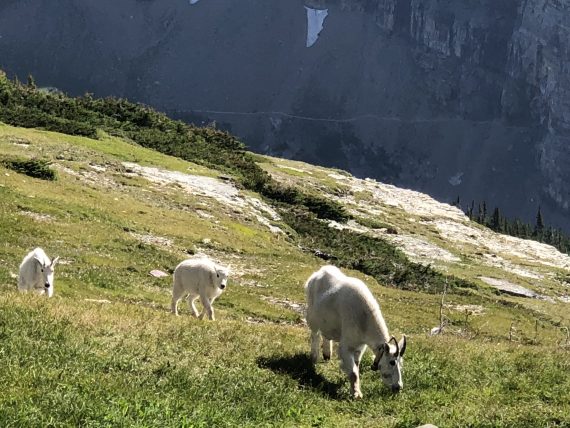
343	309
36	273
201	278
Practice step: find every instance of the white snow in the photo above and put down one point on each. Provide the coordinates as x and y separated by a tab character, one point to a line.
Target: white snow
315	22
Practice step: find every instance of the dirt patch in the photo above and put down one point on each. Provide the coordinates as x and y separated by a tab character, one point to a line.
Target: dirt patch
470	309
257	320
37	216
94	178
158	241
105	301
287	304
17	141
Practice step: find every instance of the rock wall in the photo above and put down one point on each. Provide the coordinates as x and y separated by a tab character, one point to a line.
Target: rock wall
450	98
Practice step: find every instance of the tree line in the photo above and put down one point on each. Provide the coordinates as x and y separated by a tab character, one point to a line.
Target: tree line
498	222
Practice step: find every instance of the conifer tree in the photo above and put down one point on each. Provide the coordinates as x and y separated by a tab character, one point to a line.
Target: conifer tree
539	226
496	220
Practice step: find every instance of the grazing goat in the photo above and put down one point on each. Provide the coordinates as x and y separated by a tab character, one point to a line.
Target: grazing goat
343	309
36	273
198	278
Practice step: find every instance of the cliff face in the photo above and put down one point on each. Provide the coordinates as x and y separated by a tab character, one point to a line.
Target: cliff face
451	98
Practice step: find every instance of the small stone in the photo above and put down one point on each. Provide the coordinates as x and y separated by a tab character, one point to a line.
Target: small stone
435	331
158	273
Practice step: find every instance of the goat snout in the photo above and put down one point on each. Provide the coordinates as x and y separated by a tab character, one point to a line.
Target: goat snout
222	286
396	389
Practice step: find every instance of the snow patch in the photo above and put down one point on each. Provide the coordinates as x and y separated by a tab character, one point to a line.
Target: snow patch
315	23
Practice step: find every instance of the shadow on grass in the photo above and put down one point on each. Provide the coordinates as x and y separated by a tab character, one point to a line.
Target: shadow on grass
300	368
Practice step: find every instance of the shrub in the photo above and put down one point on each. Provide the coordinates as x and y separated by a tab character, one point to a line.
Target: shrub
370	255
37	168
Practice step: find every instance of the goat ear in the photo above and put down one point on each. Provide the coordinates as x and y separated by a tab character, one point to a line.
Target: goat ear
402	345
54	261
377	358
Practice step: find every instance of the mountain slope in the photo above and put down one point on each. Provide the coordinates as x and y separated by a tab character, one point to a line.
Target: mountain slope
448	98
105	351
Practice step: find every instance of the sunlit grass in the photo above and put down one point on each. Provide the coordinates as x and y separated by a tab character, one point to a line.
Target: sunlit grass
105	351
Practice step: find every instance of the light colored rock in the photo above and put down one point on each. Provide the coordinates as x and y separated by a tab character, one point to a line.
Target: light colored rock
222	191
509	288
158	273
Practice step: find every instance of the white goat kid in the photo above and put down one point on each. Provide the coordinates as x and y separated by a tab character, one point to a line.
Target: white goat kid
36	273
343	309
201	278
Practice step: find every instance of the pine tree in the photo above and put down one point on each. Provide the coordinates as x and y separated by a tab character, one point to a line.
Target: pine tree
470	210
539	226
457	202
484	214
496	221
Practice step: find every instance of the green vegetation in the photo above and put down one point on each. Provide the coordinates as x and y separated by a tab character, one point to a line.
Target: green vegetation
372	256
89	364
37	168
515	227
104	351
26	106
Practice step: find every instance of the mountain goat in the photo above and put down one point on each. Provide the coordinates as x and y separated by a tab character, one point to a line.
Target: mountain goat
36	273
343	309
198	278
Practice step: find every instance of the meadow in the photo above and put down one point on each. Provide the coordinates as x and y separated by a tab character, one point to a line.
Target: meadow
105	351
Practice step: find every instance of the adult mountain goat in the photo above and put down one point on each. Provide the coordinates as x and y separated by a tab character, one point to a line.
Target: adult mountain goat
202	278
343	309
36	273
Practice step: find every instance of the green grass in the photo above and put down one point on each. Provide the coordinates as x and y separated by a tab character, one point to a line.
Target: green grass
70	361
83	364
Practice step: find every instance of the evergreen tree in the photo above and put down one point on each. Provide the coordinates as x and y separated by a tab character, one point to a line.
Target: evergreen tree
470	210
457	202
495	223
539	226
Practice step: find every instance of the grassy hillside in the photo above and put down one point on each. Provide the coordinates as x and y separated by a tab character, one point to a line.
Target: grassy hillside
104	351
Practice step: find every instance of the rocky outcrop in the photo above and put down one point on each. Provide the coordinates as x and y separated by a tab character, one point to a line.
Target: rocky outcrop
449	98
